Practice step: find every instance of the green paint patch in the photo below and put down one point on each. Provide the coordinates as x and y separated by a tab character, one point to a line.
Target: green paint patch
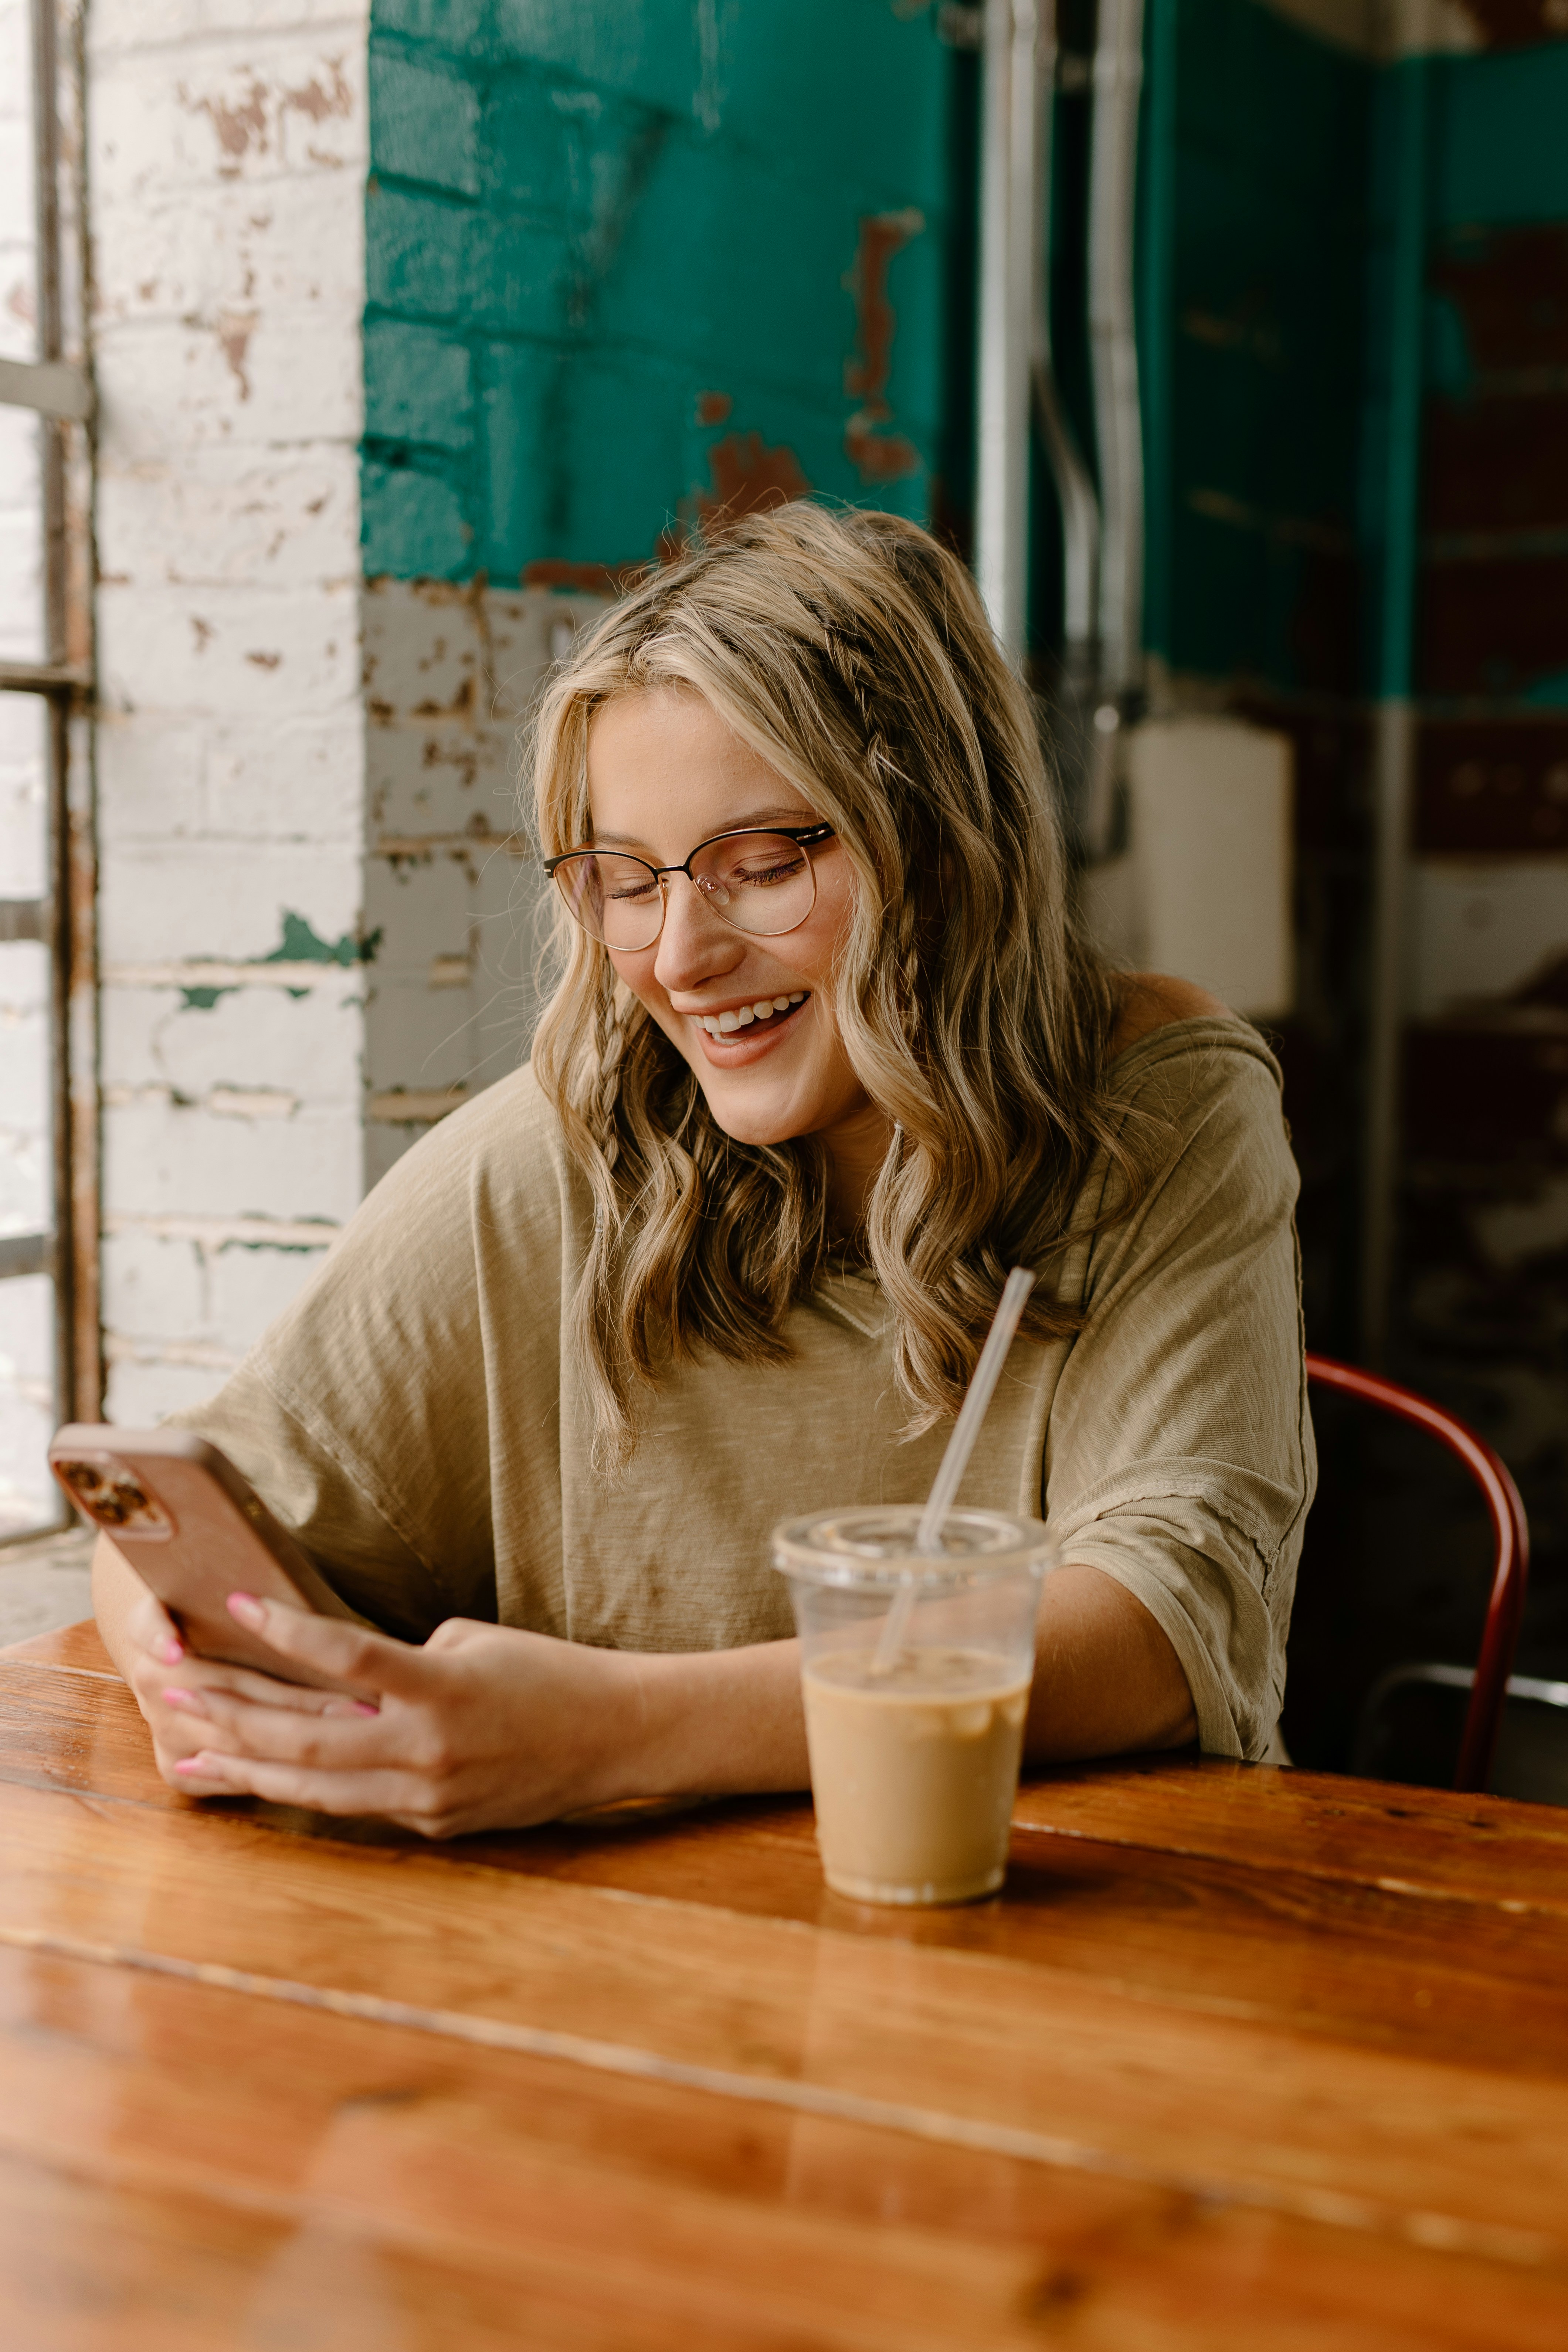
300	944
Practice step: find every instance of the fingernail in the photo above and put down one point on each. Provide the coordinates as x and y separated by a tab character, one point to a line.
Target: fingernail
172	1652
248	1610
202	1764
360	1708
178	1698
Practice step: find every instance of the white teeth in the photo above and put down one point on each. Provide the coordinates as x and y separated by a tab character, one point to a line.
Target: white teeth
724	1024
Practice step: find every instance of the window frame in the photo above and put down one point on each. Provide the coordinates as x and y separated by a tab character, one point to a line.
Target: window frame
57	389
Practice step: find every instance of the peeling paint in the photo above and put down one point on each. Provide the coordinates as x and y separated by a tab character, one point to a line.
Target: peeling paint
585	579
749	477
234	331
876	455
319	104
238	126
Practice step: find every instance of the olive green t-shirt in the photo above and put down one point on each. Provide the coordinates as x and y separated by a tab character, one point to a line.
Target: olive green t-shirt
417	1417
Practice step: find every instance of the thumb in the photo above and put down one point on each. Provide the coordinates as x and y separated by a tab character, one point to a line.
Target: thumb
153	1629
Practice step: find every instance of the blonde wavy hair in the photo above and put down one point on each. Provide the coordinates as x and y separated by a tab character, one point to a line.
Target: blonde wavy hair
852	653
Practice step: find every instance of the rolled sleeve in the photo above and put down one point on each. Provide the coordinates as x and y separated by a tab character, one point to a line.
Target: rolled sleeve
1189	1377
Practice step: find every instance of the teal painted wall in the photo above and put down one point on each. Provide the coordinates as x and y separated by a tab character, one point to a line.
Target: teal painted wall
1272	326
1254	184
1500	138
627	255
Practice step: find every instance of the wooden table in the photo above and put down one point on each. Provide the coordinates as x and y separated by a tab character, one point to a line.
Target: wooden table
1243	2058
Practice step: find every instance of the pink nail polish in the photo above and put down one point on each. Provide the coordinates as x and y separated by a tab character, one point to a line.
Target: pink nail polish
248	1610
360	1708
178	1698
172	1652
189	1764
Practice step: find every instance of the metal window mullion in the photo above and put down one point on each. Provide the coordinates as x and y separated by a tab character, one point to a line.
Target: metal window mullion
57	658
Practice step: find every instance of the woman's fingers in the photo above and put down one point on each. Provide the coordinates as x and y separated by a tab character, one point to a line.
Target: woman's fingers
330	1646
358	1737
396	1795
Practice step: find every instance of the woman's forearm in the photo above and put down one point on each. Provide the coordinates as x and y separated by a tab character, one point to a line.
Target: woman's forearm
1107	1680
716	1722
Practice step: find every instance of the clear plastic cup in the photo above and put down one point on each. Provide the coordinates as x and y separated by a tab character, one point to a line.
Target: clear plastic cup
915	1764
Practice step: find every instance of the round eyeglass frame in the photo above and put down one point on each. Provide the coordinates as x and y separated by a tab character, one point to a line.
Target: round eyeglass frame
804	837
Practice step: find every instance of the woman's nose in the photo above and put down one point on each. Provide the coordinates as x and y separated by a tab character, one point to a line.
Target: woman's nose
694	945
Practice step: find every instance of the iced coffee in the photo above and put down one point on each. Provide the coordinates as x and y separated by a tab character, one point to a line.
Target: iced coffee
914	1719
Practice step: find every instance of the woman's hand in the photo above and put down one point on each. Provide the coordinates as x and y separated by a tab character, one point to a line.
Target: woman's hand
483	1727
171	1687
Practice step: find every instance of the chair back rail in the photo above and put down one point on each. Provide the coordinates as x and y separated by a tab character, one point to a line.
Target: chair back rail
1505	1604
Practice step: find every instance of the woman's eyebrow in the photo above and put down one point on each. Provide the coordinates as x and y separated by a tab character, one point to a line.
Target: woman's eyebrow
758	821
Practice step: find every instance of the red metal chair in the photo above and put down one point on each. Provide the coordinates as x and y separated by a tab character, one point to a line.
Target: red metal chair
1483	1718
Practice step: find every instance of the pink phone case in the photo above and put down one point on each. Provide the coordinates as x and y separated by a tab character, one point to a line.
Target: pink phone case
195	1530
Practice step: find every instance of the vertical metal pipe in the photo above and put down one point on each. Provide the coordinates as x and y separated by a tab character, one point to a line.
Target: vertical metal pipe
1395	737
1113	175
1076	497
1008	246
1074	489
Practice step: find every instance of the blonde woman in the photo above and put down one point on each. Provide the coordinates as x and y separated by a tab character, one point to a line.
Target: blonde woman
828	1054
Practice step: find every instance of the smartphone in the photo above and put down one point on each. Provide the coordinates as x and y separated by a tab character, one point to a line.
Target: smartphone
195	1530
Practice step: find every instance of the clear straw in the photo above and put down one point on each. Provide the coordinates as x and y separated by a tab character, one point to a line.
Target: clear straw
955	1461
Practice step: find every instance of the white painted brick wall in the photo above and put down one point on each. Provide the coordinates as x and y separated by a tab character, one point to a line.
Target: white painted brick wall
279	746
228	150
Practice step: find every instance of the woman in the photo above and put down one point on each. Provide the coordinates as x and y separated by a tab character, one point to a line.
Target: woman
828	1054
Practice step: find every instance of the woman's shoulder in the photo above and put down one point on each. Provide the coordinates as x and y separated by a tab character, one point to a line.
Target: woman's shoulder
1153	1001
1179	1050
506	1136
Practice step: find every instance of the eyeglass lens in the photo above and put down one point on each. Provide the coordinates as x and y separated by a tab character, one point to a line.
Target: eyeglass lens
757	882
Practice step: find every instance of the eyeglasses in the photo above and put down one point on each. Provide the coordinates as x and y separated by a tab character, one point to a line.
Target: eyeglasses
759	882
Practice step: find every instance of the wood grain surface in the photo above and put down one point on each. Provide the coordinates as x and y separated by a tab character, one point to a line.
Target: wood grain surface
1238	2056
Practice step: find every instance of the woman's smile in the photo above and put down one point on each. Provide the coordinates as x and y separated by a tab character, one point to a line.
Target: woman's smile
735	1033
